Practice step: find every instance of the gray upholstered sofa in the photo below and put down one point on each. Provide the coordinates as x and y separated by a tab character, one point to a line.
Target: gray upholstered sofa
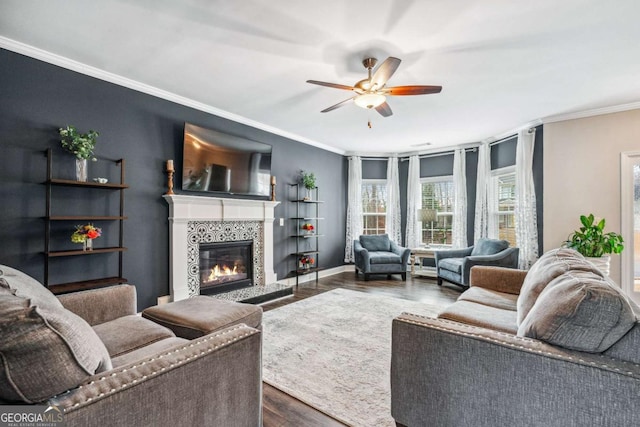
377	254
90	355
454	265
557	346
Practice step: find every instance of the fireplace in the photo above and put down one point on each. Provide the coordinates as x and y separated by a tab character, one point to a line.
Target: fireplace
196	220
225	266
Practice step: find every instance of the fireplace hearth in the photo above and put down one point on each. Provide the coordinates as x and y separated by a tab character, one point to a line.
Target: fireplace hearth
225	266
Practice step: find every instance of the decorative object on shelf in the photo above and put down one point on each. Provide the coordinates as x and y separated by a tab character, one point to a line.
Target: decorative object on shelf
306	262
85	234
273	188
308	180
170	171
100	180
594	244
309	228
80	145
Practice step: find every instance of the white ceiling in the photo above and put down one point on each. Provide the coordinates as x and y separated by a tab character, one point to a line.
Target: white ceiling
503	64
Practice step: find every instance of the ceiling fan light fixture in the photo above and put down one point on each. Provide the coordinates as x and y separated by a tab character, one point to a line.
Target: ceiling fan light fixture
369	100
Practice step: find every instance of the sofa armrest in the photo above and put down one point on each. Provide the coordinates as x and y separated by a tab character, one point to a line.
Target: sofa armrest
501	279
403	252
214	380
101	305
503	379
452	253
506	258
361	256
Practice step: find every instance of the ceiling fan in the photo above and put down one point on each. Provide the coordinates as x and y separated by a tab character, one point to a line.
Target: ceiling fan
372	91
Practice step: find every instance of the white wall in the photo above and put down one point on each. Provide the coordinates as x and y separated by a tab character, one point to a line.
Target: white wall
582	173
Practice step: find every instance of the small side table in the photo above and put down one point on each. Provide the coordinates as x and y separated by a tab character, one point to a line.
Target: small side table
416	256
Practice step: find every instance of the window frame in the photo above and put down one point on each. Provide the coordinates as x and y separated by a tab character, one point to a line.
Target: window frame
495	210
436	179
375	181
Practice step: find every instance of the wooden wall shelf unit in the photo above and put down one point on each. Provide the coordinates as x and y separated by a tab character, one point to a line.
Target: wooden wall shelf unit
52	183
307	211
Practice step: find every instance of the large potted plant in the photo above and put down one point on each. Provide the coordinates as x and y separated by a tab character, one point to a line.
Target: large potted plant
80	145
596	245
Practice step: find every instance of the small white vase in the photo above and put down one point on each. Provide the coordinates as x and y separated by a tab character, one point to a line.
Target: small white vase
87	245
603	263
81	170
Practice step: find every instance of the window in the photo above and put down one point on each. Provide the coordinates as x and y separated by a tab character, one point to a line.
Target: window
374	206
437	201
504	186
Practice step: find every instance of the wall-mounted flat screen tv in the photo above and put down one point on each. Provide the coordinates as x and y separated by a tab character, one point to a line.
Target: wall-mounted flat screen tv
223	163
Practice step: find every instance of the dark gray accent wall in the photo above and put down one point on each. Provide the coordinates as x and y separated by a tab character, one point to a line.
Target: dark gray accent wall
538	174
37	98
504	154
374	169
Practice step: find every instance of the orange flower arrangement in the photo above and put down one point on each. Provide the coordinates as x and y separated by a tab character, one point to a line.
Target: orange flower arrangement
84	232
307	261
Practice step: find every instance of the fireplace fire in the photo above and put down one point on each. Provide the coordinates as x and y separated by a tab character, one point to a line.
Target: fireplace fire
225	266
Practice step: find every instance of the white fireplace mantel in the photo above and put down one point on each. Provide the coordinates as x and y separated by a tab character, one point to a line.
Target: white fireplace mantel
183	209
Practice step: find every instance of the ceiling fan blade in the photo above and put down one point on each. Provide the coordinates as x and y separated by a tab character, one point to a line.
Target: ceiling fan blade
338	105
333	85
384	110
412	90
384	72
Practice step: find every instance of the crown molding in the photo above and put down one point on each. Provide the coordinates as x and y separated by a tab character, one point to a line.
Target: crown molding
511	132
591	113
79	67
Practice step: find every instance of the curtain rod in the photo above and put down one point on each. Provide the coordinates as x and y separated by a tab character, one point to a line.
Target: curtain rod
443	153
507	138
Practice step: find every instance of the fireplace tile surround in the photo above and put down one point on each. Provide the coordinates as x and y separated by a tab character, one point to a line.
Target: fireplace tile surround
196	219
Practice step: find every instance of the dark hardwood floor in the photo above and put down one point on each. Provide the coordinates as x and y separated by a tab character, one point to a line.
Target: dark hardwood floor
280	409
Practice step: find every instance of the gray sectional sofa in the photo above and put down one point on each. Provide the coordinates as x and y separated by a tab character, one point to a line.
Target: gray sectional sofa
558	345
91	356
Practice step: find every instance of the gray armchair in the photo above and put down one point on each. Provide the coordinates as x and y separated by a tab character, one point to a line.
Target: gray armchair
455	265
377	254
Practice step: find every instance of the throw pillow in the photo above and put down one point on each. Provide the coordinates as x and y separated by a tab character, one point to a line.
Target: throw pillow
45	351
489	247
550	265
378	242
581	311
27	287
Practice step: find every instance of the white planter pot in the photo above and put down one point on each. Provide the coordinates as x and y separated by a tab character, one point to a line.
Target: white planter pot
603	263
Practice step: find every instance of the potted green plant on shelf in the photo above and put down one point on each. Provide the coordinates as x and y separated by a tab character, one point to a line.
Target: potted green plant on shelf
80	145
594	244
308	180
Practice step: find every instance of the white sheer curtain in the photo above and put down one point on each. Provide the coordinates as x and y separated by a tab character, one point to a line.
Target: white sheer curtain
525	209
354	206
393	224
413	236
483	190
459	226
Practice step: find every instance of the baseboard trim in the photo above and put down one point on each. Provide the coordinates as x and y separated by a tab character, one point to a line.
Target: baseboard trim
291	281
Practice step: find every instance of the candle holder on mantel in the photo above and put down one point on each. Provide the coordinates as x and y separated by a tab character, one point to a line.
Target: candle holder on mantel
170	171
273	188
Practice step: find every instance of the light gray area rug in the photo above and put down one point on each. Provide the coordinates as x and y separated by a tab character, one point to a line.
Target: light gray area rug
333	352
